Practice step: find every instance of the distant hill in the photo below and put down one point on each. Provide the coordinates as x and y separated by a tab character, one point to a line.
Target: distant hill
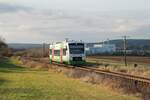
132	43
24	45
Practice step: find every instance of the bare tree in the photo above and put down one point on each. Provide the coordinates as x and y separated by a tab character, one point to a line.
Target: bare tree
3	47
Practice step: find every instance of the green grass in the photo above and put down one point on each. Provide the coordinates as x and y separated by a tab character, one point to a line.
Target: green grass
18	83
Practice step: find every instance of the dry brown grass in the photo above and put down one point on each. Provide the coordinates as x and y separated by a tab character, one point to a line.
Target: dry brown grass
115	84
115	64
146	74
133	59
33	64
27	84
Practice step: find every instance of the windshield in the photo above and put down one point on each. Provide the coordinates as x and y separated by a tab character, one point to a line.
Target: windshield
76	48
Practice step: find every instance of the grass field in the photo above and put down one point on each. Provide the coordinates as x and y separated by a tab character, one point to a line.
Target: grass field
18	83
130	59
115	63
142	62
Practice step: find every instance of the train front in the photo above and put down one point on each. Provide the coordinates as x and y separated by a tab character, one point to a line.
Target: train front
77	53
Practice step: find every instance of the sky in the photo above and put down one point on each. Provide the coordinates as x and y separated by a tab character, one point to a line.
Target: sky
38	21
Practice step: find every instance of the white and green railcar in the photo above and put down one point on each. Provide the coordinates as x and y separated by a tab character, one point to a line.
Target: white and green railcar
68	52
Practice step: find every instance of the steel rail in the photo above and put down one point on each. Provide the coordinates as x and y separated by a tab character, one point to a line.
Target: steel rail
112	73
119	74
100	71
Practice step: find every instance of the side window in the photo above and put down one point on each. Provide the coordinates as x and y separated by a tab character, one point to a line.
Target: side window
57	52
50	51
64	52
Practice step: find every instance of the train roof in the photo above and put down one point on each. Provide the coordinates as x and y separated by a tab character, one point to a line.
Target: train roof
65	42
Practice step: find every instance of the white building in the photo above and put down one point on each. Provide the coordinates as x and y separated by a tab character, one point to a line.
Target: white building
98	48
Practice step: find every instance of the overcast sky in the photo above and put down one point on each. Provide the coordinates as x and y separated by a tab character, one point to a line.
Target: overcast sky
37	21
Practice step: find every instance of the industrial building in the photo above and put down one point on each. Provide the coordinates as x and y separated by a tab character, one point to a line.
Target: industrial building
99	48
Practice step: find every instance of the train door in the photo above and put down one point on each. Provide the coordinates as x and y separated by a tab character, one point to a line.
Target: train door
61	55
52	54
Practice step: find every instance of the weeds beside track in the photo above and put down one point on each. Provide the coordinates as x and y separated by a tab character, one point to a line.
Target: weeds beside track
127	82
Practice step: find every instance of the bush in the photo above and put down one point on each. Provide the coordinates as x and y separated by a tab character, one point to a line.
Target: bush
35	53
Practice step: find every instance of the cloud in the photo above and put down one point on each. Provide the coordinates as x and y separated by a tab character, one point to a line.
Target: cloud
34	25
5	8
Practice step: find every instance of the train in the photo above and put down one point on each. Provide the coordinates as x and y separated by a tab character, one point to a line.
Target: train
67	52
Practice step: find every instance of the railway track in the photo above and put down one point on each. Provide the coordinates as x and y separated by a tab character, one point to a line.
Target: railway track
121	75
100	71
129	83
111	73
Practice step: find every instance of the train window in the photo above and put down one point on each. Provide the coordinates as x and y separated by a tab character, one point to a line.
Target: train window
50	51
64	52
76	48
57	52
